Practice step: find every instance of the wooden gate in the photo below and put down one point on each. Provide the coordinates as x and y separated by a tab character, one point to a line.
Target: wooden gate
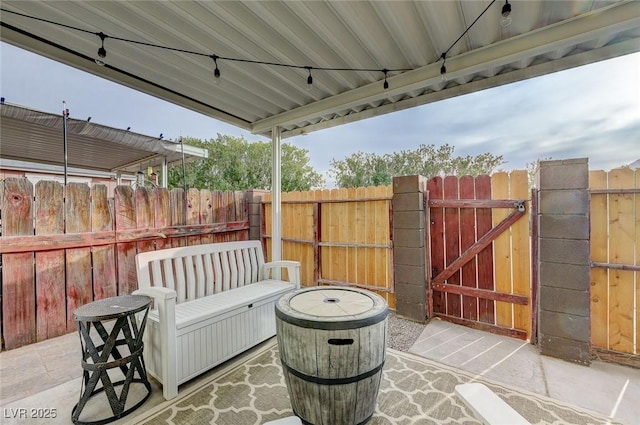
479	252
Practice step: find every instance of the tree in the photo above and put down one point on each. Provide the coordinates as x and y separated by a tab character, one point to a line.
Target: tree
369	169
236	164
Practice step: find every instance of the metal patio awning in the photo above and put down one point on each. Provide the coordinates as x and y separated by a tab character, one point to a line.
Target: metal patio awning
544	36
166	49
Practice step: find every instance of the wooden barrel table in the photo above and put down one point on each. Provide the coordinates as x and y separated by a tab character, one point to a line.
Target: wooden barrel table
332	348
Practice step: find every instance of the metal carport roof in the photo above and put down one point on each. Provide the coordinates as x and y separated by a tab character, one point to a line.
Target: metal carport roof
28	135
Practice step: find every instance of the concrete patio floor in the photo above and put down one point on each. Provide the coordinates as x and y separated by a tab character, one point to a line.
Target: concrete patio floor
47	374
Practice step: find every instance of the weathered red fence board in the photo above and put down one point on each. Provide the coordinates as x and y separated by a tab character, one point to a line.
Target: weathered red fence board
125	218
486	307
468	238
78	260
436	231
144	215
178	213
104	262
50	265
162	216
206	213
18	289
193	213
452	243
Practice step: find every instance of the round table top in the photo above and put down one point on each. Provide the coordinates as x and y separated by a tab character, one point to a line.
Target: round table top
111	308
331	307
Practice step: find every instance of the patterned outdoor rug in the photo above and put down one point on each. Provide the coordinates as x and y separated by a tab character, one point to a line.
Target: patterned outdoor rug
413	391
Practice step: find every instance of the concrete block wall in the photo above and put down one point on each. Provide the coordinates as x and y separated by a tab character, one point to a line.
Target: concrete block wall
254	197
564	327
409	255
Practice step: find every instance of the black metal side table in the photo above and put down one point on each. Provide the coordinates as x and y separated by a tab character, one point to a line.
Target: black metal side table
121	348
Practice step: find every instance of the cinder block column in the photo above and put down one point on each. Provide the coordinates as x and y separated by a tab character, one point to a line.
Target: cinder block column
564	256
409	254
253	201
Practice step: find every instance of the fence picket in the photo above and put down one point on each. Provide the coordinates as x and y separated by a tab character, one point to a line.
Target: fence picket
468	238
486	308
621	284
502	251
452	243
599	253
78	260
637	259
178	213
520	252
18	294
125	218
162	215
50	265
104	262
193	213
436	192
144	215
206	213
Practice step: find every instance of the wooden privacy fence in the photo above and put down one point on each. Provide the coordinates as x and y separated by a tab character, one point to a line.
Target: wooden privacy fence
340	236
615	260
62	250
480	251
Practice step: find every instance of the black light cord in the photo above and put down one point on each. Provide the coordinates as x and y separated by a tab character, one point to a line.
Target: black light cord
384	71
443	56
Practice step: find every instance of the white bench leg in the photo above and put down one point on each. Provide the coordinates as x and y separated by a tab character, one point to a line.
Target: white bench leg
487	406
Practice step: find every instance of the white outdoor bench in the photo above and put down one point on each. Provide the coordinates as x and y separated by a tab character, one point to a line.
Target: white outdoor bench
212	302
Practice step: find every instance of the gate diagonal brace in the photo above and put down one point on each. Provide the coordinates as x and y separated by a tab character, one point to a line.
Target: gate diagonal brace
487	238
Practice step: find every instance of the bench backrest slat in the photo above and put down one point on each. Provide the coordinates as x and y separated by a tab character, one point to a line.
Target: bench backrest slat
199	270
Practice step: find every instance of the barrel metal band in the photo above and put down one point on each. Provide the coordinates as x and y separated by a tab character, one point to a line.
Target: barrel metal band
332	326
333	381
304	422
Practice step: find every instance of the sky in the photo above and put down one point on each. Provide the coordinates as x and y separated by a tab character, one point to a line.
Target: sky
591	111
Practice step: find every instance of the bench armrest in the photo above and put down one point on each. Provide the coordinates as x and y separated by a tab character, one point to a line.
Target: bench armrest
166	303
155	292
293	269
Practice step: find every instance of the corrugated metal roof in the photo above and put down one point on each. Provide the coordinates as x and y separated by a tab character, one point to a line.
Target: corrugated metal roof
36	136
544	36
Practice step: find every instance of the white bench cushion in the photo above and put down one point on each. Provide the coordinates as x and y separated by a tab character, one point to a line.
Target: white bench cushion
195	311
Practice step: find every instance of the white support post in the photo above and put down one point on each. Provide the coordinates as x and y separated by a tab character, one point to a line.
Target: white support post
276	204
165	172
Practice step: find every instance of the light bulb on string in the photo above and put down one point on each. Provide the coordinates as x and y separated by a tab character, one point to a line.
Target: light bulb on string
216	71
385	85
443	68
102	53
309	79
506	14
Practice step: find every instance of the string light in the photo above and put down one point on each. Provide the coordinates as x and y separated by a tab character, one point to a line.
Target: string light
216	71
506	12
443	56
102	53
309	79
